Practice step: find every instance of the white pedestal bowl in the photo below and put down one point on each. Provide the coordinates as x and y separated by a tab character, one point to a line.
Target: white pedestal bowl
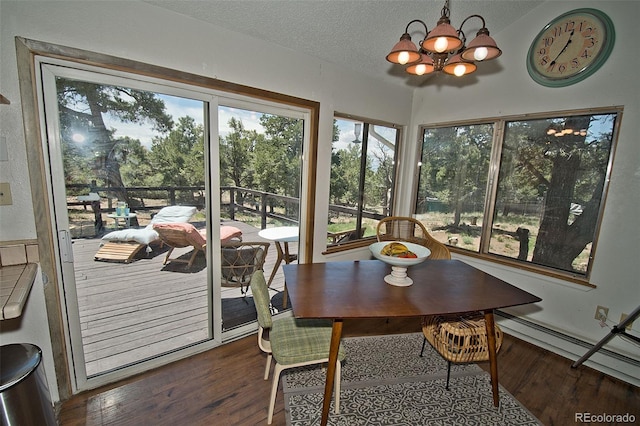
399	265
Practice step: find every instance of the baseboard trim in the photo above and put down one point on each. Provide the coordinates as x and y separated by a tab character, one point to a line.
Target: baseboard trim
609	362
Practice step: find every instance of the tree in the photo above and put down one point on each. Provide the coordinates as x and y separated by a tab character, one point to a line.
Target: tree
278	156
179	157
82	106
237	155
560	170
559	240
455	162
345	176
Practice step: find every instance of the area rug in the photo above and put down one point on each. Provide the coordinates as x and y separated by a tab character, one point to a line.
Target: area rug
386	382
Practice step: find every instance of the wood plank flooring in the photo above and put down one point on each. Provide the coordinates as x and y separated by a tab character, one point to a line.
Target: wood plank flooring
133	311
225	386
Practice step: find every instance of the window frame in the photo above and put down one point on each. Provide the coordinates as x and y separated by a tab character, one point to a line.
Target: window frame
500	124
364	242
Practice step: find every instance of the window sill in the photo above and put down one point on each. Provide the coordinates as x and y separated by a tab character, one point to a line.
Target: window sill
535	269
337	248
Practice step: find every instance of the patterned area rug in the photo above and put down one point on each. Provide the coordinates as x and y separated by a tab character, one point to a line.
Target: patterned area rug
386	382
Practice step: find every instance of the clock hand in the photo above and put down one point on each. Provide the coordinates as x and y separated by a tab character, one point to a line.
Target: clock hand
563	49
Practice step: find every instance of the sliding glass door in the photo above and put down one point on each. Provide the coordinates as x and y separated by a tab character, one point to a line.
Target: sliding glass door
150	185
124	156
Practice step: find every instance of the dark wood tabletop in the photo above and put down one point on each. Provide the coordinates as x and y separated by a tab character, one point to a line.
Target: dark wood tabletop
358	290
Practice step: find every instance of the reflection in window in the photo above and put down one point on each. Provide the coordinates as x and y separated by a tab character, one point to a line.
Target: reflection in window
362	178
550	189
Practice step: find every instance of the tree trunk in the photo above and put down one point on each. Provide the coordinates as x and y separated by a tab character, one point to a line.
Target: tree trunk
108	165
558	244
550	246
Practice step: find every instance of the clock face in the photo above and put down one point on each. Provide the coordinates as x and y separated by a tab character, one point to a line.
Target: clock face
570	48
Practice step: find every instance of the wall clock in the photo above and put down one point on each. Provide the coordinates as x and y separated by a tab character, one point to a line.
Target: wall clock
570	48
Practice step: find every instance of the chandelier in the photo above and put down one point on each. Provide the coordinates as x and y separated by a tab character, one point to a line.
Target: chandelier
443	49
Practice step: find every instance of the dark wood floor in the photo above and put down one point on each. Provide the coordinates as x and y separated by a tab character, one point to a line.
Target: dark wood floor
224	386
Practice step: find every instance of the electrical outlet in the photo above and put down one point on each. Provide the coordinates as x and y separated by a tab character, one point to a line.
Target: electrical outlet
601	313
5	194
622	318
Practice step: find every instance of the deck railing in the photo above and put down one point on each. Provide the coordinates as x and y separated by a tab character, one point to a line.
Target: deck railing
265	205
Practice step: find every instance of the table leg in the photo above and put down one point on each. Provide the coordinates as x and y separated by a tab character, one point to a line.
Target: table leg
336	334
278	262
287	260
493	359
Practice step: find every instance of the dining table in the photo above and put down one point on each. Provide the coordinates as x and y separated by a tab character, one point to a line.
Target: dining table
356	289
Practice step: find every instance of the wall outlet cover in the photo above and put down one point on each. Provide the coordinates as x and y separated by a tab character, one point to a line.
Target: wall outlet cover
5	194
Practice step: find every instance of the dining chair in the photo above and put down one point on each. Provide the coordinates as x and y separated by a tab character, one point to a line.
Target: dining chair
292	342
240	260
401	228
458	338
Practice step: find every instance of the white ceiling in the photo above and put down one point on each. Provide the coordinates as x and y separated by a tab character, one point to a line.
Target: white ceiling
356	34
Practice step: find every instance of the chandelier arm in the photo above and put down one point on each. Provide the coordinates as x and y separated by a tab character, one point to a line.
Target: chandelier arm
462	37
484	25
426	30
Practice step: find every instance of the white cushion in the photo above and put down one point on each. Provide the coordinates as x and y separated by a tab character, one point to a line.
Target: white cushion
174	214
142	236
146	235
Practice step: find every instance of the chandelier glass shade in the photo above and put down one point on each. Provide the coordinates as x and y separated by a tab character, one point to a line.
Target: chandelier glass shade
443	48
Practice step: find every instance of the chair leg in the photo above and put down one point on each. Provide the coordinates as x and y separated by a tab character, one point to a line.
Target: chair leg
274	390
166	258
424	342
193	257
268	367
337	386
448	374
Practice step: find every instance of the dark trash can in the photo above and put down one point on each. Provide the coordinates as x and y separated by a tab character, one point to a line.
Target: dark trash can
24	394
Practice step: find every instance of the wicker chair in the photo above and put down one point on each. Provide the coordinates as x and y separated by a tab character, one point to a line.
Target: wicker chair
460	338
399	228
240	260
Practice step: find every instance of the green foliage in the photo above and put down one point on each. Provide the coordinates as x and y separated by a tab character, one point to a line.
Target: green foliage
455	162
179	157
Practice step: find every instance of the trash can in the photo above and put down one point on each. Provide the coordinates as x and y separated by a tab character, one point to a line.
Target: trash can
24	394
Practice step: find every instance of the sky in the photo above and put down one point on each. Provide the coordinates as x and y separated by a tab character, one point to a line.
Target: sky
179	107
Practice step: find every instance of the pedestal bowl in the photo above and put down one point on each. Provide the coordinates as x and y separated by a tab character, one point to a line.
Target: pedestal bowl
399	265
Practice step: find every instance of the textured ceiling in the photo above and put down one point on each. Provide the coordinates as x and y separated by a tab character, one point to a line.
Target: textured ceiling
356	34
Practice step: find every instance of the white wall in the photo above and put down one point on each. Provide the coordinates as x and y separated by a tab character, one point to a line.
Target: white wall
148	34
568	308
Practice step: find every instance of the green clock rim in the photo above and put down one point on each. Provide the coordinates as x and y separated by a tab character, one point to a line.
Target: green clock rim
602	57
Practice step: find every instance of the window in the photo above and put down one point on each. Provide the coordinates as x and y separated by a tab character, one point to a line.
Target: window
363	160
526	191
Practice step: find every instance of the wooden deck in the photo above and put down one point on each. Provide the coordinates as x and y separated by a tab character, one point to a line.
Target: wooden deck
135	311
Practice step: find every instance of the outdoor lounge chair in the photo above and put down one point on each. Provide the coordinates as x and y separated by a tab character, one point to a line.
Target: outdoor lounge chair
122	245
178	235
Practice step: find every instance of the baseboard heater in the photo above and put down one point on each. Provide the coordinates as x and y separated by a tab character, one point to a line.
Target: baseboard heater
567	338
